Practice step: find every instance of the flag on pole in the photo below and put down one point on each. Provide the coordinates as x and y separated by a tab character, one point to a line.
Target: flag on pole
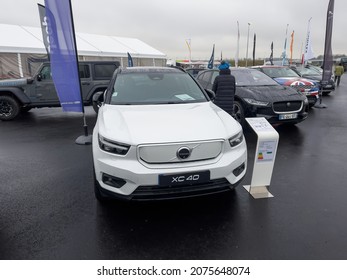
284	54
210	62
63	54
44	28
130	61
328	54
237	46
272	54
308	54
291	47
188	42
254	43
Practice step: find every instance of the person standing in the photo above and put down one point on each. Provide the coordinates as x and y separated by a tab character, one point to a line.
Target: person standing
224	88
339	70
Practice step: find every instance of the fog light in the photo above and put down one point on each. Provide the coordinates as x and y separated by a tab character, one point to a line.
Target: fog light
237	171
113	181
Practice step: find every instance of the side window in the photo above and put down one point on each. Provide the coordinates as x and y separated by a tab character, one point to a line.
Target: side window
45	73
84	71
206	77
104	71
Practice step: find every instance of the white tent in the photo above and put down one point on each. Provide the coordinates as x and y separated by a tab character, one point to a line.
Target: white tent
24	39
18	41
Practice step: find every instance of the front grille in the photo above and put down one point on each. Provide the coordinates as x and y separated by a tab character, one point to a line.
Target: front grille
169	192
169	153
287	106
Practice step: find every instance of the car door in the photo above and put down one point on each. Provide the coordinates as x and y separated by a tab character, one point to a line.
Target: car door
43	90
86	79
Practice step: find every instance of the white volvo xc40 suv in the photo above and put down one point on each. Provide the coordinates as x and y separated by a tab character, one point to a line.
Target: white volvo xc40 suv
158	135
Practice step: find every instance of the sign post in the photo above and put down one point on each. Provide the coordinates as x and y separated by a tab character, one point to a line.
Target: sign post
264	159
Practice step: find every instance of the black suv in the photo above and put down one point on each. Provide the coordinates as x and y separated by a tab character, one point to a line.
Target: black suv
20	95
343	61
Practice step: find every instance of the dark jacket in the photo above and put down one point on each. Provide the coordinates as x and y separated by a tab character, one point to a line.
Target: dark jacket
224	87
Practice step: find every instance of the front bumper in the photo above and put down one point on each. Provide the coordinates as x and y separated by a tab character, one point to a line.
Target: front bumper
273	118
141	181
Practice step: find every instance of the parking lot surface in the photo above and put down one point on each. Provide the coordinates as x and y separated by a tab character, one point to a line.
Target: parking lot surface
48	209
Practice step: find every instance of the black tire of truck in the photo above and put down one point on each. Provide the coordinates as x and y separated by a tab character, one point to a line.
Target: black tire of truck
95	107
9	108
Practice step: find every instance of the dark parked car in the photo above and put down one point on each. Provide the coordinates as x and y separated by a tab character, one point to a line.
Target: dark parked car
288	77
312	74
194	71
257	95
343	61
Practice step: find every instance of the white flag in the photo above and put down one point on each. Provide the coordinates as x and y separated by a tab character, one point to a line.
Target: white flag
308	46
237	46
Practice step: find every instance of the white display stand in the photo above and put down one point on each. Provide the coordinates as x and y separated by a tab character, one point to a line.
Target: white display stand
264	159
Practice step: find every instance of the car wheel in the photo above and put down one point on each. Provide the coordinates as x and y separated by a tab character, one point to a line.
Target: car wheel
326	93
96	107
239	112
9	108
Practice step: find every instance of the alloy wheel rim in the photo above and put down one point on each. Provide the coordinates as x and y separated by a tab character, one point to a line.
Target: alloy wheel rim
5	108
237	113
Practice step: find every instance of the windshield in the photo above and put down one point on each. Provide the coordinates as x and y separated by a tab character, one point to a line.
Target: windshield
155	88
279	72
252	77
316	68
307	71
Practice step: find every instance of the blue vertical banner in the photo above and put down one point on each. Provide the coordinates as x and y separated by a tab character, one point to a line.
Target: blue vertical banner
130	61
211	61
63	54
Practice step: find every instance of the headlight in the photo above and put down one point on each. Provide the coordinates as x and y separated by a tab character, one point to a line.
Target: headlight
113	147
256	102
236	140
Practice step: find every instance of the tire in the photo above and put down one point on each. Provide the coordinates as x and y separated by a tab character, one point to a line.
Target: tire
9	108
239	112
95	107
326	93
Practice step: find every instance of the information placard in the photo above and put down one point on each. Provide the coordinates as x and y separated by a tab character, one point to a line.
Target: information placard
264	158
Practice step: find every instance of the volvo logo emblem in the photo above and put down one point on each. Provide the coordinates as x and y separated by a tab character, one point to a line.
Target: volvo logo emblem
288	104
183	153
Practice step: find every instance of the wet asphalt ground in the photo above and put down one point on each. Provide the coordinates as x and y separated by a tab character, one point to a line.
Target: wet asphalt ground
48	209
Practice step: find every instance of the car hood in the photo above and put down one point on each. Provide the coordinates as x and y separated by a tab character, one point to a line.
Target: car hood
288	81
269	93
165	123
14	82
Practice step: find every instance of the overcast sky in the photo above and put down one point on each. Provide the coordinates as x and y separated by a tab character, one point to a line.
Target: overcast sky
166	24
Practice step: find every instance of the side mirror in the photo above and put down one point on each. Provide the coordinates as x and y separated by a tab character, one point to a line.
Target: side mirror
98	99
210	94
39	77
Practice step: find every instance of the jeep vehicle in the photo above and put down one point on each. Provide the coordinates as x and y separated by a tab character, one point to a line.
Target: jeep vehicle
21	95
